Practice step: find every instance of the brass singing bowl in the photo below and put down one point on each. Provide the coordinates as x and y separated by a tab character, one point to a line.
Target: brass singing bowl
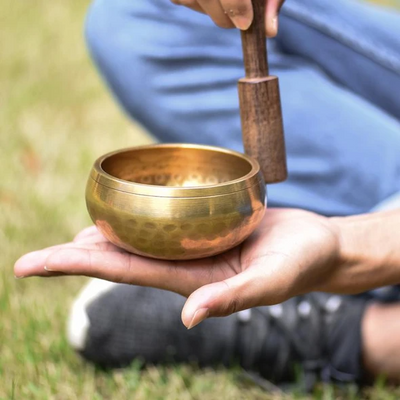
176	201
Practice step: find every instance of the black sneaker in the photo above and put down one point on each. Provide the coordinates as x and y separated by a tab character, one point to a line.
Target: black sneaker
320	334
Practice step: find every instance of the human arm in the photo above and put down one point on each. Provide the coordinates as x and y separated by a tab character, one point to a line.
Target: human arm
293	252
369	253
235	13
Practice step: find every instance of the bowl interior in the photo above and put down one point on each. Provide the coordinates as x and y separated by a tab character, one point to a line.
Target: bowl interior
176	166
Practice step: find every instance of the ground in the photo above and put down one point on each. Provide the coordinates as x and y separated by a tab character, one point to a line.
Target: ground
55	119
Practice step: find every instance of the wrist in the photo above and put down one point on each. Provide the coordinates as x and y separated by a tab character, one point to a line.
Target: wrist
369	255
350	246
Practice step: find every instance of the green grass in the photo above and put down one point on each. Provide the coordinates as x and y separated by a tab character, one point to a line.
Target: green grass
55	119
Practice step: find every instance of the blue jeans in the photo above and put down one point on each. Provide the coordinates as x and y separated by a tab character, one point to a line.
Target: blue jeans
339	67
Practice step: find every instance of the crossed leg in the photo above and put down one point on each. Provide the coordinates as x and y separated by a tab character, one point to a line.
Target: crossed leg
175	72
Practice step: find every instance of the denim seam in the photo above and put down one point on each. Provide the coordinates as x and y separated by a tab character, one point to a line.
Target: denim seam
350	39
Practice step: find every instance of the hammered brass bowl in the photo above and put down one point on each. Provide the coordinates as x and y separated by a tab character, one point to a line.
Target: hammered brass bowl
176	201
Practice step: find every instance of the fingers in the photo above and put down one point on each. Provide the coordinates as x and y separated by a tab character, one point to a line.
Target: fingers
271	18
226	13
96	238
87	232
260	285
217	13
193	4
33	264
240	12
217	300
101	259
119	267
235	13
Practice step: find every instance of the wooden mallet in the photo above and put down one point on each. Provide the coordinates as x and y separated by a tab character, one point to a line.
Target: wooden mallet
260	104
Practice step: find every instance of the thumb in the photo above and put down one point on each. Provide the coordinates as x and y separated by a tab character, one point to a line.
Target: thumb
272	11
227	297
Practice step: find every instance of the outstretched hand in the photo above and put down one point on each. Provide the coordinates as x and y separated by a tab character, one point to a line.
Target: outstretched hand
235	13
292	252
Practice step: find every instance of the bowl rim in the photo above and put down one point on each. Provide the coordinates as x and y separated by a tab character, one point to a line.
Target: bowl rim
252	178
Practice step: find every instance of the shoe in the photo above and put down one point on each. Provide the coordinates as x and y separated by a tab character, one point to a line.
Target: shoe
319	334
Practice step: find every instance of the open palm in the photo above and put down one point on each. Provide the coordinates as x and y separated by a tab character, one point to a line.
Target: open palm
289	254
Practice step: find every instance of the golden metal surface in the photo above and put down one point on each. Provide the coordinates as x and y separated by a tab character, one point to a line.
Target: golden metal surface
176	201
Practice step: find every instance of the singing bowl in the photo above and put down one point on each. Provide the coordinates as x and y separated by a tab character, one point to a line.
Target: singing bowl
176	201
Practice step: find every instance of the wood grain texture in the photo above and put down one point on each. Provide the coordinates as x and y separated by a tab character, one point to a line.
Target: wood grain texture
260	104
254	44
262	126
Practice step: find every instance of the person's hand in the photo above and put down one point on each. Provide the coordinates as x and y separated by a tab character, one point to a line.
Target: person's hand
235	13
292	252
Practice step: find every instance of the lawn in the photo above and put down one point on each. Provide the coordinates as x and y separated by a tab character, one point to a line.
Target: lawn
56	118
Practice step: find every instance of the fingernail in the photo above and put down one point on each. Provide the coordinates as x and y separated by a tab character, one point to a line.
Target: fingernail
241	22
199	316
49	269
19	277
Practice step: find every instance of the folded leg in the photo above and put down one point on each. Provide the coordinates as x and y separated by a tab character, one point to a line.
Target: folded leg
175	72
113	324
355	42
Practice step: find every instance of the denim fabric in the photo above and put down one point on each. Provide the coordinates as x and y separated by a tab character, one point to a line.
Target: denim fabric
339	67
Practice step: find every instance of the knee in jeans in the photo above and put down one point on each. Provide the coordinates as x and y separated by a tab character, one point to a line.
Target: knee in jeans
97	29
